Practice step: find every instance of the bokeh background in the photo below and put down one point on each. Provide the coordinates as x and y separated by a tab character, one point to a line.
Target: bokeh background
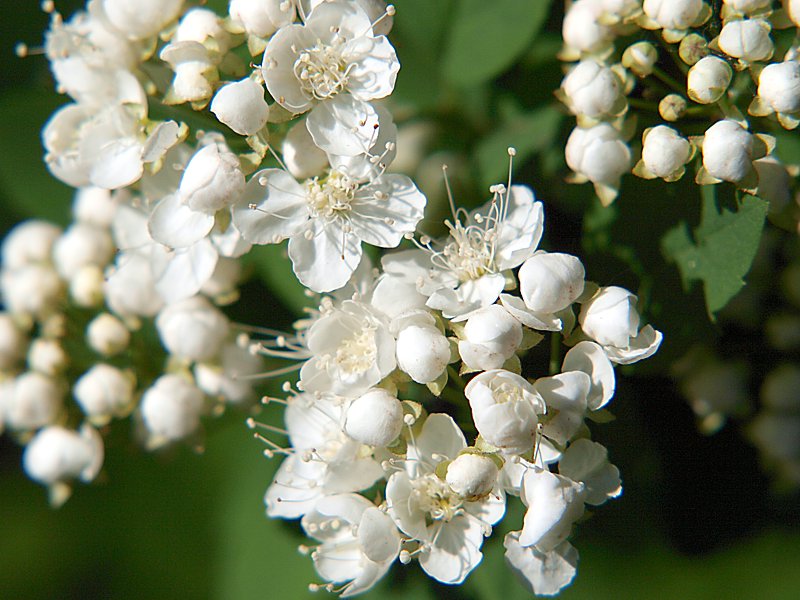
699	518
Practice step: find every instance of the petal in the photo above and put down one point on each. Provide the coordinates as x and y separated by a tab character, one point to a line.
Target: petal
186	270
592	360
279	58
272	208
521	230
546	573
386	209
540	321
326	261
644	345
456	549
440	436
343	125
374	67
120	165
174	224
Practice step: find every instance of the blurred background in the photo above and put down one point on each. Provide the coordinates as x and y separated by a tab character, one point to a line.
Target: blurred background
699	517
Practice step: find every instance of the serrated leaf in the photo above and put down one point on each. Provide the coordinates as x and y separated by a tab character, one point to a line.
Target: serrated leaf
487	37
721	250
528	133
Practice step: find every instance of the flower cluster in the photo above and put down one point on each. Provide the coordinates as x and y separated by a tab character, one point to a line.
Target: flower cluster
680	62
375	477
414	416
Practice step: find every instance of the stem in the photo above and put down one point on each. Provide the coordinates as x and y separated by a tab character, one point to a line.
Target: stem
456	378
643	104
555	353
669	80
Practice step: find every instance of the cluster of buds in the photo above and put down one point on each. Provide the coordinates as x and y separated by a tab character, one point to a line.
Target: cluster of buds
680	66
298	148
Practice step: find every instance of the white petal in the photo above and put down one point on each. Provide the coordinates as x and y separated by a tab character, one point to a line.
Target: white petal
644	345
278	70
280	208
343	125
174	224
186	270
521	230
440	436
545	572
592	360
375	70
326	261
539	321
120	164
587	461
378	535
554	503
456	550
383	222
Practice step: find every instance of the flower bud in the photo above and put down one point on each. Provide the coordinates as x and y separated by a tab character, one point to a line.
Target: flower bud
727	148
551	281
107	335
35	401
171	409
673	14
582	29
664	151
13	342
374	418
47	356
747	6
692	48
505	409
104	391
201	25
141	19
792	8
301	155
230	377
672	107
748	40
598	153
58	454
262	18
593	90
29	242
33	290
241	106
192	329
81	245
423	352
708	79
86	287
610	317
779	86
472	476
491	336
94	206
640	58
212	179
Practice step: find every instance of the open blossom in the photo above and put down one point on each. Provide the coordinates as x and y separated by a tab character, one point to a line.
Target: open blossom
450	526
332	70
326	219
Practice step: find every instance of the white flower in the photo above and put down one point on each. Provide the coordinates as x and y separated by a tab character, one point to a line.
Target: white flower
640	58
241	106
673	14
505	409
192	329
548	572
170	410
302	157
748	40
212	179
449	526
30	242
554	503
708	79
600	155
565	396
728	151
57	455
593	90
359	542
549	282
95	206
583	30
747	6
195	72
587	461
82	245
142	19
262	18
130	286
472	476
326	219
491	336
792	8
103	392
47	356
467	273
334	52
230	375
374	418
324	460
779	88
34	290
352	349
107	335
423	352
592	360
35	400
664	153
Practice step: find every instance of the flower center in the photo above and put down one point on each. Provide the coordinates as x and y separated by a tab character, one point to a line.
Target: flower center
357	354
331	197
470	253
507	392
321	70
436	498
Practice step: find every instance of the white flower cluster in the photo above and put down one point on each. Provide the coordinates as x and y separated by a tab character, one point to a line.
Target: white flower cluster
162	217
445	315
604	88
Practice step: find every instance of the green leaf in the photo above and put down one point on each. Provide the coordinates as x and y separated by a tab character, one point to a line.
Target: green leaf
487	37
528	133
274	268
720	251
